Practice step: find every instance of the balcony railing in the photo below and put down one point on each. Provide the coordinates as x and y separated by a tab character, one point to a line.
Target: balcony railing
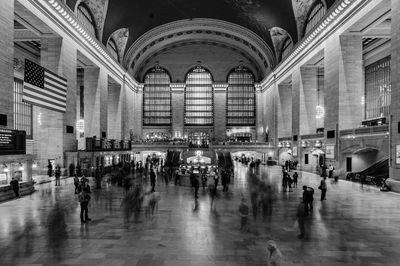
365	131
94	144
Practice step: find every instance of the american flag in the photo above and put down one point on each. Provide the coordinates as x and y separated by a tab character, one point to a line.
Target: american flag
44	88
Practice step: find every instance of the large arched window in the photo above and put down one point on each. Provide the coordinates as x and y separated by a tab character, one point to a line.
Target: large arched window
157	98
112	48
199	98
286	47
86	18
378	89
241	98
315	15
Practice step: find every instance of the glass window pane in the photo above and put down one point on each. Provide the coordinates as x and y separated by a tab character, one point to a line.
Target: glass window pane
378	89
199	98
241	105
157	98
22	110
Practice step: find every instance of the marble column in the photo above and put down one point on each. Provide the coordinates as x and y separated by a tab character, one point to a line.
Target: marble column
128	119
114	110
284	109
95	100
178	109
220	111
343	88
7	62
394	164
308	100
138	112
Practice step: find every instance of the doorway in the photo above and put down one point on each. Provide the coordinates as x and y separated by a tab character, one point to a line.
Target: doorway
348	164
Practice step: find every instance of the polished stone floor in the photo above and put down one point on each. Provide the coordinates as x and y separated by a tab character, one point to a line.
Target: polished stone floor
354	226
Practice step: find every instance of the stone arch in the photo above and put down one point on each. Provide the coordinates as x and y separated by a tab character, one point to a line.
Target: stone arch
208	30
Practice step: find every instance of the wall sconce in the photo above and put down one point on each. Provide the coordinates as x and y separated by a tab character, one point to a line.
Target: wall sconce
280	145
21	167
34	165
318	144
303	144
288	144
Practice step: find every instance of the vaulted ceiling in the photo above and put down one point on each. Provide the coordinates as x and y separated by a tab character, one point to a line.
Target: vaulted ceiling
141	16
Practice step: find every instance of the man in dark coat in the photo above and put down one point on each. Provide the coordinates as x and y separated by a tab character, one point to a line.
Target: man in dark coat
15	186
152	179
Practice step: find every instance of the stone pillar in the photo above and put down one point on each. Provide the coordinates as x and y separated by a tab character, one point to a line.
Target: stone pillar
138	112
260	129
308	100
7	61
343	88
128	106
295	94
114	110
220	111
95	99
178	109
60	56
394	166
284	106
270	115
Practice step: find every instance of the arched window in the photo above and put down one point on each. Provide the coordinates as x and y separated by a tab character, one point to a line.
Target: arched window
287	47
316	14
157	97
112	48
241	98
86	18
199	98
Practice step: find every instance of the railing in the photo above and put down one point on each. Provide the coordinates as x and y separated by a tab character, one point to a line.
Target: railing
313	136
365	130
93	144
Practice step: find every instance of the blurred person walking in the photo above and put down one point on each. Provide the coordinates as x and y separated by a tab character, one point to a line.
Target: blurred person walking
244	214
301	216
